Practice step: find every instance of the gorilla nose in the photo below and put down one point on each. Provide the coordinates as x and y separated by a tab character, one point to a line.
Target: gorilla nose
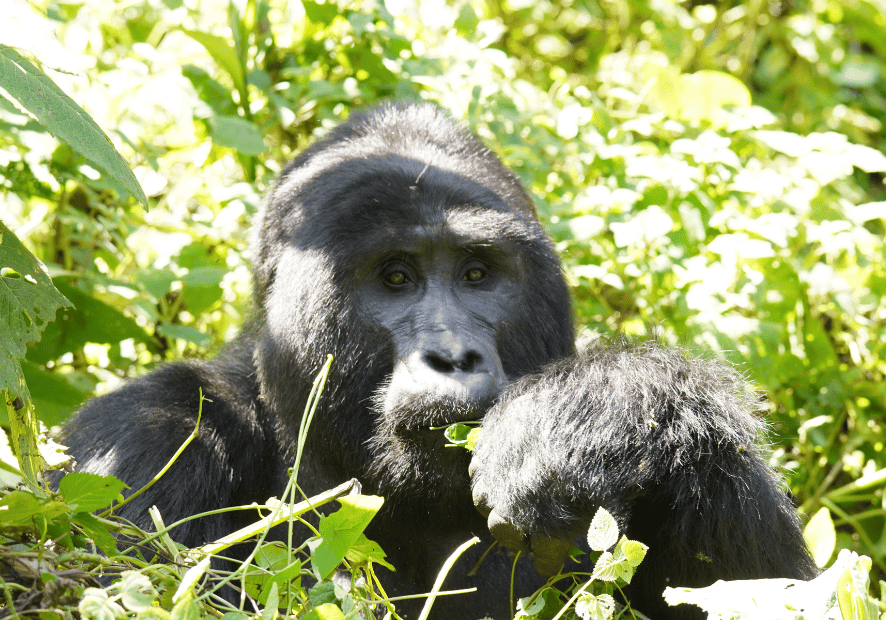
461	373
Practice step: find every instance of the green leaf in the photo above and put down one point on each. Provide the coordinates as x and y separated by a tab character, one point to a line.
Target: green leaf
237	133
185	332
158	613
19	508
326	611
95	605
275	566
606	568
320	14
97	532
365	550
706	93
463	435
224	54
322	592
186	608
633	551
590	607
63	118
138	593
28	302
342	529
821	537
270	610
603	532
89	492
546	604
210	91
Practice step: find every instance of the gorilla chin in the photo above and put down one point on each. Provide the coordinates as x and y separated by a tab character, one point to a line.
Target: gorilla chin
409	446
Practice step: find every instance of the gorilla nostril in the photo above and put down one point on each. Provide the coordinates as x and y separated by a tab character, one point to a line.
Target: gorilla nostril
469	362
439	363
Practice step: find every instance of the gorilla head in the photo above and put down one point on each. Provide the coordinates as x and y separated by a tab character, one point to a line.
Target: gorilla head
403	247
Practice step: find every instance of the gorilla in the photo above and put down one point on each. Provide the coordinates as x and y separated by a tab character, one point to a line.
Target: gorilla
403	247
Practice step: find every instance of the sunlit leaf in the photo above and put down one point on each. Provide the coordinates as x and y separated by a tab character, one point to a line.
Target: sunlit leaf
821	536
603	532
63	118
342	529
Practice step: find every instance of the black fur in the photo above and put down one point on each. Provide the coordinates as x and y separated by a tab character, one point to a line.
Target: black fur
403	247
669	446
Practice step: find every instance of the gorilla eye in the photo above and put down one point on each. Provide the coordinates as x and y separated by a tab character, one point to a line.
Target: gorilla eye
474	274
396	278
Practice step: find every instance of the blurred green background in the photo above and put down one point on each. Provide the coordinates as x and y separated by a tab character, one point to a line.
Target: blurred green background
710	172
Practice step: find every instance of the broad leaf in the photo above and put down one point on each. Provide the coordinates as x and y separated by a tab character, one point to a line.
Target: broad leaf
342	529
89	492
63	118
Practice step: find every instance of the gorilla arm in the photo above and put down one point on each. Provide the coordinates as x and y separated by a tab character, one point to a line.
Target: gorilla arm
667	445
133	432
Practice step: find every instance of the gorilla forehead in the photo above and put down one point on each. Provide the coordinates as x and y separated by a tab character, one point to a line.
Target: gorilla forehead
410	138
368	205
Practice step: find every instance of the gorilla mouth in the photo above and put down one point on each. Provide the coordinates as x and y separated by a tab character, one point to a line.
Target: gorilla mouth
420	415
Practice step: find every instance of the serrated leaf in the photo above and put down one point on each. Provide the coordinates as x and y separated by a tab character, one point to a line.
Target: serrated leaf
95	605
603	532
633	552
606	568
590	607
28	300
63	118
86	492
138	593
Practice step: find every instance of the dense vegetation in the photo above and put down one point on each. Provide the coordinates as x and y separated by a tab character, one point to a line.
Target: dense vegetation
710	172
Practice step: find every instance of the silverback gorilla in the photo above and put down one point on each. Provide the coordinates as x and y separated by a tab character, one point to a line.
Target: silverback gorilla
403	247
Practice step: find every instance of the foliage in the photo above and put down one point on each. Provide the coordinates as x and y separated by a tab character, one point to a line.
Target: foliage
53	548
842	589
754	230
590	596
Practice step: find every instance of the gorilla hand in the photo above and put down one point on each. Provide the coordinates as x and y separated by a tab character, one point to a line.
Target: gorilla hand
525	483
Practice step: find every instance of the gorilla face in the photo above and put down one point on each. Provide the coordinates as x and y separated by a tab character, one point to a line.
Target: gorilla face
404	248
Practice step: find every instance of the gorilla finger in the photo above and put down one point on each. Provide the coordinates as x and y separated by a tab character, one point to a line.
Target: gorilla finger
549	554
481	502
507	533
